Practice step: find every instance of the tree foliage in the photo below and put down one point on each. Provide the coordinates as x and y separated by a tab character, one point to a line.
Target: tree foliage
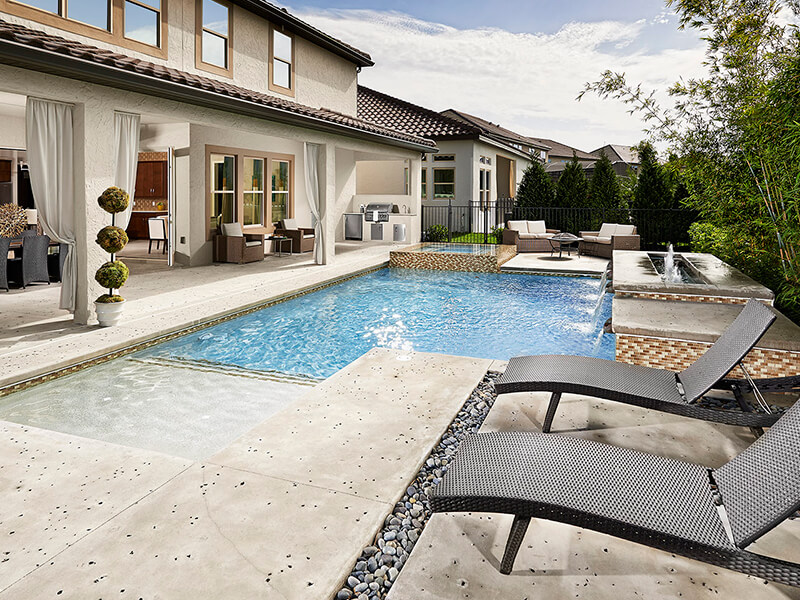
653	188
537	187
572	188
736	133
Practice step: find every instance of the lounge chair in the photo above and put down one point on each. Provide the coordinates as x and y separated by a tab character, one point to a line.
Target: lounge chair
528	236
610	237
302	237
667	504
657	389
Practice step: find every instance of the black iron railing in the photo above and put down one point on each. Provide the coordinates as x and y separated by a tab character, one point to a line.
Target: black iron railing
482	222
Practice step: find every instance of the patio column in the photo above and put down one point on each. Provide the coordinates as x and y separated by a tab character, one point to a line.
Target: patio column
327	180
94	172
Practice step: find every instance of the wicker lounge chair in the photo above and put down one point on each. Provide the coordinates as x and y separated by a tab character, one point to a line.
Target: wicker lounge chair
667	504
528	236
657	389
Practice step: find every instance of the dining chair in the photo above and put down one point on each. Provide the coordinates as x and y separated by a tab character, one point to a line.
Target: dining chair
34	259
4	260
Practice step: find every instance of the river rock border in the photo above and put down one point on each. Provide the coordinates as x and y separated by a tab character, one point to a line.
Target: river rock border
380	563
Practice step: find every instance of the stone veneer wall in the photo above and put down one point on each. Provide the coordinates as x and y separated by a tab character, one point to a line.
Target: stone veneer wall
442	261
676	355
686	298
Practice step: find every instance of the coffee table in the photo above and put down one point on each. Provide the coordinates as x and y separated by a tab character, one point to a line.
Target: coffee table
561	241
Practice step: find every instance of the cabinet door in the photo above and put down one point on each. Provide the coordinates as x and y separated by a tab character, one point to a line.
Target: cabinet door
159	179
143	180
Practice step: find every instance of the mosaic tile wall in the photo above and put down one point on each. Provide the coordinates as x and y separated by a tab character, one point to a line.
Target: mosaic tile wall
676	355
440	261
685	298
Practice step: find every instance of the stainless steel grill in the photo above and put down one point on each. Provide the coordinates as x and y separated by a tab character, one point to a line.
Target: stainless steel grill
377	212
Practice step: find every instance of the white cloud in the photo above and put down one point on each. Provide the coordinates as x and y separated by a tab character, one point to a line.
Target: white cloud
527	82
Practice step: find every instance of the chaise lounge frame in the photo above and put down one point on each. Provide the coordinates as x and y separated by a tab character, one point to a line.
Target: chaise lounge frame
657	389
710	515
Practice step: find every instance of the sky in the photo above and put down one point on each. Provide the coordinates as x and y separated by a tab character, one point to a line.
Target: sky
517	63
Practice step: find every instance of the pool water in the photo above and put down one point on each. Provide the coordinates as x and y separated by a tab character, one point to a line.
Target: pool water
458	248
193	396
467	314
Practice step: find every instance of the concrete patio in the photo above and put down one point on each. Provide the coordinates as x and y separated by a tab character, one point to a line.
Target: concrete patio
458	555
545	263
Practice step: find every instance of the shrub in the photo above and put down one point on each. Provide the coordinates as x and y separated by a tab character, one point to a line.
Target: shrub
437	233
707	237
537	187
112	239
114	200
112	275
109	299
497	234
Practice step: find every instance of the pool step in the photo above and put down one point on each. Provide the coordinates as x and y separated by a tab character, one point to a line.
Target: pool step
227	369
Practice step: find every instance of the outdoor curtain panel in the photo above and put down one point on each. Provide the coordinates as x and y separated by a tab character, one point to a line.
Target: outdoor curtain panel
126	159
48	126
312	189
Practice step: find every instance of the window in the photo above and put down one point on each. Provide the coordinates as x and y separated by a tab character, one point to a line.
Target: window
444	183
485	160
485	188
407	181
281	63
143	21
214	37
424	158
443	157
424	184
280	189
253	192
223	189
134	24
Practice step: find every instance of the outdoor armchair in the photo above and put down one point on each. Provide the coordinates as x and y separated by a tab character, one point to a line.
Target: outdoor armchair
528	236
302	237
234	246
647	387
667	504
610	237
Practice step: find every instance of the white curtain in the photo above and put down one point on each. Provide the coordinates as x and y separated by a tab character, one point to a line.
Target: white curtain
48	127
312	189
126	159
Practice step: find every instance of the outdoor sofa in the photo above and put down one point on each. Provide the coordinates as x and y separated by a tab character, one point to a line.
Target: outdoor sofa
610	237
657	389
528	236
667	504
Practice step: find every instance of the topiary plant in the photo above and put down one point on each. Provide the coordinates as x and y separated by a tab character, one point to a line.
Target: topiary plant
112	239
114	200
112	275
109	299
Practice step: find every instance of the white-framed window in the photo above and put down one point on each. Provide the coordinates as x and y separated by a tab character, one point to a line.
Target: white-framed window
485	177
424	184
444	183
253	197
223	189
486	160
443	157
281	61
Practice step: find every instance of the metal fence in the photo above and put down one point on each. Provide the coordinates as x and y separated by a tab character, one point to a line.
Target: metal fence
482	222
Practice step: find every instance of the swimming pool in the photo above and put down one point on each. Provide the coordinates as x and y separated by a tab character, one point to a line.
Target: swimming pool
195	395
467	314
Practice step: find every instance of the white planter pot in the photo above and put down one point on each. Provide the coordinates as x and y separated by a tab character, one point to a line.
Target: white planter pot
108	313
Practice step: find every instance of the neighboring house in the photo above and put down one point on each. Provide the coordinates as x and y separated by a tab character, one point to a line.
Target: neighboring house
623	159
234	93
561	153
622	154
477	163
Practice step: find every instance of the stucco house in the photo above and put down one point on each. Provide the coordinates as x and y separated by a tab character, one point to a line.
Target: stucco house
253	112
478	162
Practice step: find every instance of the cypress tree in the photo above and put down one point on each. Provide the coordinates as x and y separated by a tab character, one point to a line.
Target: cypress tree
572	188
653	188
537	187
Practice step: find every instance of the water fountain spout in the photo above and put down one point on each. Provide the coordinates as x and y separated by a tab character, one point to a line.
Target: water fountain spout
671	272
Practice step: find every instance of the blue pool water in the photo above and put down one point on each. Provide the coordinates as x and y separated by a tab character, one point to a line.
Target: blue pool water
458	248
468	314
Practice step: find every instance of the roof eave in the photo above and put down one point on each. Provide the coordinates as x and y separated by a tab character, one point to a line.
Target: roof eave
38	59
295	25
509	149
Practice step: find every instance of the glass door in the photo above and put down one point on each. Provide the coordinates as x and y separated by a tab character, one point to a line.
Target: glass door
253	192
280	189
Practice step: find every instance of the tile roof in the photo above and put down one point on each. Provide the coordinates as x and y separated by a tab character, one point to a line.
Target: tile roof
389	111
493	130
559	149
12	34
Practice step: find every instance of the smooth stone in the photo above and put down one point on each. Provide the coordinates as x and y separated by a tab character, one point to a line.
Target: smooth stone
352	582
362	587
393	573
344	594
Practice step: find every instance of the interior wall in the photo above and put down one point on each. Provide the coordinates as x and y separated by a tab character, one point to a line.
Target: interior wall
157	137
375	177
12	133
345	188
